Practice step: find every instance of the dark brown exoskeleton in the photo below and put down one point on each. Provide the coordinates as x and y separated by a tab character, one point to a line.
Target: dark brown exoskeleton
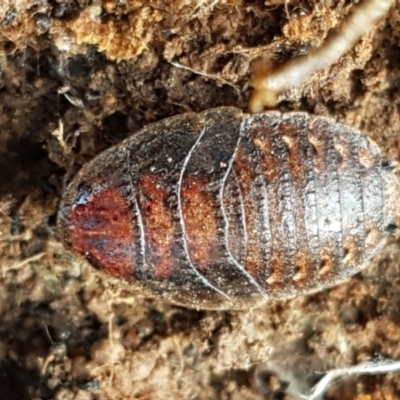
223	210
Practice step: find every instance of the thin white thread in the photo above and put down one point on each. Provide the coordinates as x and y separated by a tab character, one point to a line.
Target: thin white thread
243	213
181	219
236	263
377	366
141	230
138	214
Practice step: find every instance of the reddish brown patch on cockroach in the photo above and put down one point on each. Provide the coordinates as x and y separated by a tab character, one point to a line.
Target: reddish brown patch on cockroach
158	226
198	210
101	230
245	176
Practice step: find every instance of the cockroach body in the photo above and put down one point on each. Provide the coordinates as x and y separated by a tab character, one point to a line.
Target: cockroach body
224	210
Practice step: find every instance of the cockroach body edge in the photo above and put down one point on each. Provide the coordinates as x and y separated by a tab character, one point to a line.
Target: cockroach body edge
224	210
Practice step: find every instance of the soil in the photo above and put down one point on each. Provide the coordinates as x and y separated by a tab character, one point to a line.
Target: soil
76	78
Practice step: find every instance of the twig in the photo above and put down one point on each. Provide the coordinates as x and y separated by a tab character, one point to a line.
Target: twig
297	71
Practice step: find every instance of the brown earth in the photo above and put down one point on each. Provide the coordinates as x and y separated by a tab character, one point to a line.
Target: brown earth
75	79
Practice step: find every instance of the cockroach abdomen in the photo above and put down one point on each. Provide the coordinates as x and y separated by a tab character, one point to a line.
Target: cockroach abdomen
223	210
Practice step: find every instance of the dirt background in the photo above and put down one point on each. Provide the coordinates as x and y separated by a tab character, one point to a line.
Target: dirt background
77	77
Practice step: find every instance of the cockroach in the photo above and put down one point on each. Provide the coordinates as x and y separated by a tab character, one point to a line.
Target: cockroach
224	210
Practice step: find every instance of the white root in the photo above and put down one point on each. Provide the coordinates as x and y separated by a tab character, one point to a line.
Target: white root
297	71
373	367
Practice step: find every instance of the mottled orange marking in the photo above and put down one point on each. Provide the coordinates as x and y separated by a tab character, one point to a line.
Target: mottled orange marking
327	262
304	266
158	226
101	230
270	170
278	279
352	252
319	147
373	237
366	158
296	165
198	209
342	147
294	159
245	176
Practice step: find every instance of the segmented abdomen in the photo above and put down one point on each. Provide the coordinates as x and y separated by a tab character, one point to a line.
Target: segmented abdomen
222	209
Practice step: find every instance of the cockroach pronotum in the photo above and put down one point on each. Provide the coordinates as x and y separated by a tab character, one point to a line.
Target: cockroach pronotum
223	210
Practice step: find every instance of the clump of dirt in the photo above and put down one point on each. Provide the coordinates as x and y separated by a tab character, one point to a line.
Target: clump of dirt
76	78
